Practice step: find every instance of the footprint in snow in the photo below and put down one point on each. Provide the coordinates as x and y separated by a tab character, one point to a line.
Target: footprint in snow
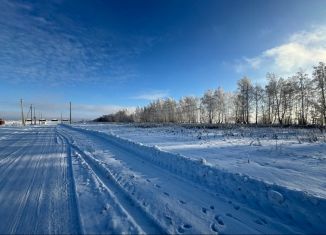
236	207
182	202
148	180
218	225
187	226
104	209
219	220
168	220
214	227
180	229
157	186
204	210
212	207
167	194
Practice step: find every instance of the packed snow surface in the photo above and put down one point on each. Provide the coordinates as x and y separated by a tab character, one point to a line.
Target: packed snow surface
125	179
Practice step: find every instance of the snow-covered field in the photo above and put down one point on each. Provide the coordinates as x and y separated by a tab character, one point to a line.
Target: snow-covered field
106	178
294	158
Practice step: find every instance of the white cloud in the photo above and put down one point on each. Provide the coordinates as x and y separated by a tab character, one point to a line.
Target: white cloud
152	95
43	47
302	50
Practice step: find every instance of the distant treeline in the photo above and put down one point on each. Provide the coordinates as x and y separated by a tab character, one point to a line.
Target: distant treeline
297	100
120	116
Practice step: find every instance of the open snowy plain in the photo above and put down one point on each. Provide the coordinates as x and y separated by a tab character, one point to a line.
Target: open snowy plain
103	178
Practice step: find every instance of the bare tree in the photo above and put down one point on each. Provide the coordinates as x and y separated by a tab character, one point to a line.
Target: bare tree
302	86
320	81
208	102
188	109
245	91
219	98
271	89
257	96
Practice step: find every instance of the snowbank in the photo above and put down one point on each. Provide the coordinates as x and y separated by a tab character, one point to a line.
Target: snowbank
295	207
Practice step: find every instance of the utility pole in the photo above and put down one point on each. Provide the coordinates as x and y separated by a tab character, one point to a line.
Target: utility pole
34	117
31	114
70	112
22	112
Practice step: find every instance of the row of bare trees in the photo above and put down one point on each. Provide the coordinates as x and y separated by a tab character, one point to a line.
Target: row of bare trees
299	99
296	100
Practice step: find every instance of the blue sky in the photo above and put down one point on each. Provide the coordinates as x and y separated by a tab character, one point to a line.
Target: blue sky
104	55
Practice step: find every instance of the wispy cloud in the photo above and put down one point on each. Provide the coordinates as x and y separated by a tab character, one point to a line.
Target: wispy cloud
42	47
302	50
152	95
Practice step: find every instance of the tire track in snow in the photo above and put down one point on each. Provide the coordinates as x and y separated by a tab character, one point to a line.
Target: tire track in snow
72	183
104	210
147	224
138	216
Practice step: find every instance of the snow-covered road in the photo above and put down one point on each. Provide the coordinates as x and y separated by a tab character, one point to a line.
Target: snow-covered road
36	190
69	180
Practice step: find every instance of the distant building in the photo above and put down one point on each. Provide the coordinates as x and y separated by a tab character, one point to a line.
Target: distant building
42	121
65	121
2	122
28	121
